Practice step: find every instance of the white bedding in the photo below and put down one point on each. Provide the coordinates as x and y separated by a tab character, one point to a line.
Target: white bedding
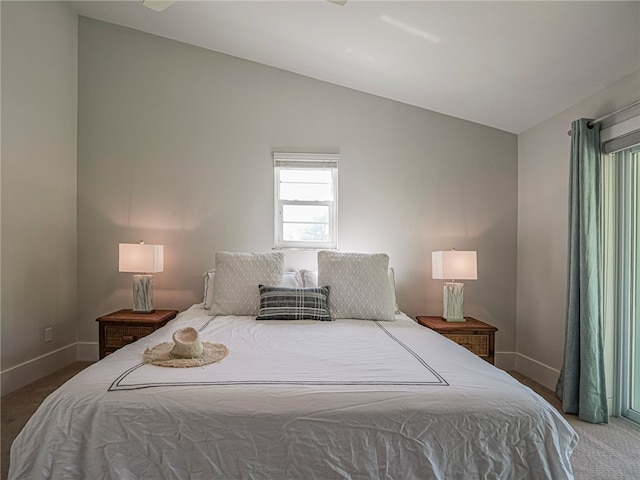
297	400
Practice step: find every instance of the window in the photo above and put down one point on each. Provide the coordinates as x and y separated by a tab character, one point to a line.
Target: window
306	200
621	234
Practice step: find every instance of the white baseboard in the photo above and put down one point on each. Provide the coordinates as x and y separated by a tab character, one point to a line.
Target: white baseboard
505	360
537	371
88	352
15	377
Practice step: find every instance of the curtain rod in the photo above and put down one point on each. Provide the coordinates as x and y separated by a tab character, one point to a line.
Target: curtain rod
603	118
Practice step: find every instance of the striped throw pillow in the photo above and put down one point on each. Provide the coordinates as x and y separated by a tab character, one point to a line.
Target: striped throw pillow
283	303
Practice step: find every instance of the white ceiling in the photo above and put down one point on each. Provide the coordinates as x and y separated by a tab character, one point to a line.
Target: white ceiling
509	65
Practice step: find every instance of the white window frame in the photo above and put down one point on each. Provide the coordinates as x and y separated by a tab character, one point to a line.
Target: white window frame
301	161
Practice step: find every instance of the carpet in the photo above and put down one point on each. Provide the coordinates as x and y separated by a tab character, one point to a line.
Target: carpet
605	451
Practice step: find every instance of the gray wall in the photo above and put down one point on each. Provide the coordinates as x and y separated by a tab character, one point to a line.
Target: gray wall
39	99
174	147
543	180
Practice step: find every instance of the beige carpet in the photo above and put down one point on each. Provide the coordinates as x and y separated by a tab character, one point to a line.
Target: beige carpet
605	452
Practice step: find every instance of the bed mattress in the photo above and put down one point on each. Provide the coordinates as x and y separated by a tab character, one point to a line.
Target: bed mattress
348	399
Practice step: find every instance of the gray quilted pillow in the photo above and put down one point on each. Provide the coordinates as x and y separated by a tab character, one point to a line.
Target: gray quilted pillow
359	284
235	285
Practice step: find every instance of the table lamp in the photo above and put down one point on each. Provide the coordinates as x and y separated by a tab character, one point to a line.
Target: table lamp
454	264
142	260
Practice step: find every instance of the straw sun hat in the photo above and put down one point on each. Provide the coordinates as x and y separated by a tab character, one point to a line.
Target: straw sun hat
186	351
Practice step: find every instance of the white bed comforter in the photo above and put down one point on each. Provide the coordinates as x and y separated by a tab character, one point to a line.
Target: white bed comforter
301	400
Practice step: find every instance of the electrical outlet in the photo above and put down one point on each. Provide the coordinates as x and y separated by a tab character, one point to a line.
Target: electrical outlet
48	334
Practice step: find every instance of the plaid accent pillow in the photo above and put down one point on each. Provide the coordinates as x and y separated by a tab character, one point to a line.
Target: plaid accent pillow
283	303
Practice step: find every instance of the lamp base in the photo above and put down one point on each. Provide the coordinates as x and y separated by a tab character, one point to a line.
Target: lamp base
143	293
454	320
452	300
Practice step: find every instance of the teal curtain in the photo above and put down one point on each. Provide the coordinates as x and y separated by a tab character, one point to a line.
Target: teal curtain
581	385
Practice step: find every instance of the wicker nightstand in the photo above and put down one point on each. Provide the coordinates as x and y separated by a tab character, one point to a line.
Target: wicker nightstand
474	335
120	328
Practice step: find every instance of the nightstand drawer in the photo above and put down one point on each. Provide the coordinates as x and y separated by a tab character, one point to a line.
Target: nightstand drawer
116	336
478	344
476	336
123	327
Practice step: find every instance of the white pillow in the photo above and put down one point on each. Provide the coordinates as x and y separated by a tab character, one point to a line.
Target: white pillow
291	279
310	279
391	274
208	288
359	284
235	283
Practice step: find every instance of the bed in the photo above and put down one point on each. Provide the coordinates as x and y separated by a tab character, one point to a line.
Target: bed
296	399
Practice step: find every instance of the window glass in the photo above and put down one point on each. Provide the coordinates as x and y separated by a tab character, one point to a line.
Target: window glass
305	191
310	232
305	213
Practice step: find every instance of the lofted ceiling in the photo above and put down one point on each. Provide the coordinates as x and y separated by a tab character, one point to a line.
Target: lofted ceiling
509	65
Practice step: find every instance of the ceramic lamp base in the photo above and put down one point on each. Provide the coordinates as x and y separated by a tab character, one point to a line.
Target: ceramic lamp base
143	293
452	299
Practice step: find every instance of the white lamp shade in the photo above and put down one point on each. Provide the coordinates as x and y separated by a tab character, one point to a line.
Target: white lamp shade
454	265
141	258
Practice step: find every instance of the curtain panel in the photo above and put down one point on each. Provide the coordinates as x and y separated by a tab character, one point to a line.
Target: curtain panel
581	385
